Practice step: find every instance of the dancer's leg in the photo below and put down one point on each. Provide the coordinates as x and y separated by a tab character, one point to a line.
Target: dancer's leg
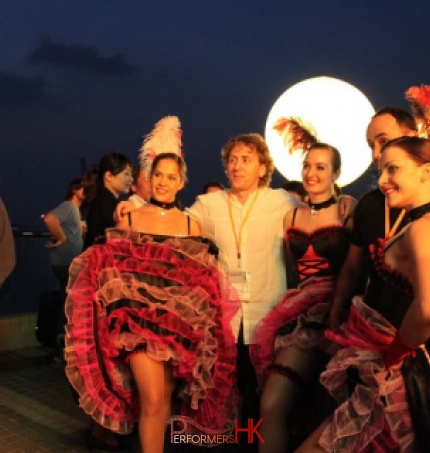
155	386
310	445
293	369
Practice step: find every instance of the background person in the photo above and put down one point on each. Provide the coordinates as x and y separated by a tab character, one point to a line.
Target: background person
140	189
212	186
370	223
64	224
296	189
103	186
113	177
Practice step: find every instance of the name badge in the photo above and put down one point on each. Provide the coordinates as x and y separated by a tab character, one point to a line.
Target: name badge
240	285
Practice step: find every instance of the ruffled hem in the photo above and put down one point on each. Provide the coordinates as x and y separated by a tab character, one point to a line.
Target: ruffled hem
308	306
379	398
160	295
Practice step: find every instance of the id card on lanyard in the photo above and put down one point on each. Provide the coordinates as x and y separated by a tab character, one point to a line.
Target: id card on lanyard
240	285
239	278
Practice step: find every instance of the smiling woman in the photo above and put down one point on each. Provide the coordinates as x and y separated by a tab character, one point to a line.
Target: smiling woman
386	358
288	349
149	302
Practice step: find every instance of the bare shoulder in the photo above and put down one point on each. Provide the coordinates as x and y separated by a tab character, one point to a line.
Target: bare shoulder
136	219
417	235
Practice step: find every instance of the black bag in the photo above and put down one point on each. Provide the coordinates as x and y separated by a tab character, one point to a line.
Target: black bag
48	318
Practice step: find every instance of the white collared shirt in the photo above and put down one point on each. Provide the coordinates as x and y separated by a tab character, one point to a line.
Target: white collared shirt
262	250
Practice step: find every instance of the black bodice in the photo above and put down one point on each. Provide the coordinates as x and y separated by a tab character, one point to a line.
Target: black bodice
320	252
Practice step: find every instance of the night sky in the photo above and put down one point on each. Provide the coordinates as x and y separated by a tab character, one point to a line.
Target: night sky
79	78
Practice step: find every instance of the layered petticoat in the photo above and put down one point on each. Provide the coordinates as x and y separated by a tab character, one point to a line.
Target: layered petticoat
155	294
378	404
299	319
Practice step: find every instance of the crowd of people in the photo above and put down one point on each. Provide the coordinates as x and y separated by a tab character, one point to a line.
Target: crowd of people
306	313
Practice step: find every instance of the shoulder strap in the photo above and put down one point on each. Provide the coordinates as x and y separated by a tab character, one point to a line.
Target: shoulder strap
294	216
129	218
189	224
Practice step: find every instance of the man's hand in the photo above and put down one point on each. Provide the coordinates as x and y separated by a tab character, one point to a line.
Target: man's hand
122	209
346	206
55	243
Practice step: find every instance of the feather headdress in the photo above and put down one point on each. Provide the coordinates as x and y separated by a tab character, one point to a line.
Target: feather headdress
296	135
166	137
420	99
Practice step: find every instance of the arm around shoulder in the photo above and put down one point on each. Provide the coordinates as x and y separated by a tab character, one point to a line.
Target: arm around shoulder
346	285
195	229
347	205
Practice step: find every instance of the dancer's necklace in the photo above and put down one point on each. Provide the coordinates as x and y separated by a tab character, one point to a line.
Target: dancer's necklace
164	206
315	207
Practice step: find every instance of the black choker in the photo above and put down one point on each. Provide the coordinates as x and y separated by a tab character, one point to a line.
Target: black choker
417	213
315	207
164	206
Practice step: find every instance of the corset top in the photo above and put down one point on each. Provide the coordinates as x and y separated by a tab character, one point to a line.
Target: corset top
390	275
320	252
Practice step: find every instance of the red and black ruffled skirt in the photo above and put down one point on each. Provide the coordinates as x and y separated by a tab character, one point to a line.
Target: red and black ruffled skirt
299	318
156	294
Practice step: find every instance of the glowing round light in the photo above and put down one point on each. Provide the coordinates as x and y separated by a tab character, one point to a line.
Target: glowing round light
339	114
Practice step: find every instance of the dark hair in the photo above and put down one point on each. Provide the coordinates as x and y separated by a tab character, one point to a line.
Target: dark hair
135	173
335	154
295	186
417	148
74	185
182	167
112	162
257	142
210	184
402	117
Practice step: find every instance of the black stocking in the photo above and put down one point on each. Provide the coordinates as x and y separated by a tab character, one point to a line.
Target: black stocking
287	385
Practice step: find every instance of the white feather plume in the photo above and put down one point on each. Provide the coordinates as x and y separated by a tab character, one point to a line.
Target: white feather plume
166	137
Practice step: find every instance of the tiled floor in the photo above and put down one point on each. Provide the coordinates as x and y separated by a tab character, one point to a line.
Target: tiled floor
37	410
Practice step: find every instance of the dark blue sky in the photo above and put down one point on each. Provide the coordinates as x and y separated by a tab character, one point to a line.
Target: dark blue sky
79	78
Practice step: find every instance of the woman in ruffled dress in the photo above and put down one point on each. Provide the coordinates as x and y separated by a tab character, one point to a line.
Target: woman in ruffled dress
147	320
289	349
382	376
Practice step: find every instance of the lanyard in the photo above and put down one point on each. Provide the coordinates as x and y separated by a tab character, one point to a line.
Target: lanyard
238	237
390	232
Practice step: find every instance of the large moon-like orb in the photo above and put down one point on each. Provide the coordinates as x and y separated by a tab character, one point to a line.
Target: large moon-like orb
337	111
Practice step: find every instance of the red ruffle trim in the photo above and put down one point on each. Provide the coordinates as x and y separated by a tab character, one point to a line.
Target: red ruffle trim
377	411
320	233
117	305
310	302
390	275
